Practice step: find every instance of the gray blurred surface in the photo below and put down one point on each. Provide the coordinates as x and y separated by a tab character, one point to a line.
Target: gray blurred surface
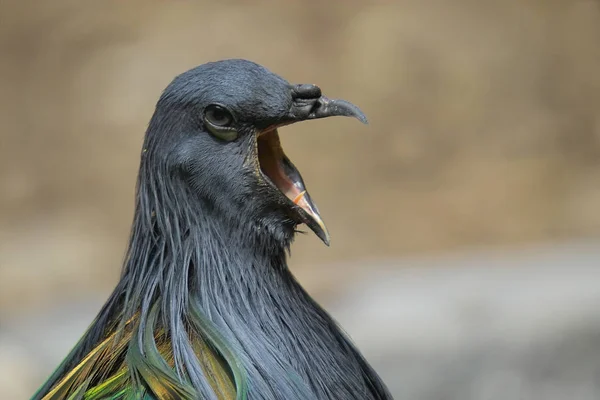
474	326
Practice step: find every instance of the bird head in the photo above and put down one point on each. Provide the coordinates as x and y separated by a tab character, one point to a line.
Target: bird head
215	129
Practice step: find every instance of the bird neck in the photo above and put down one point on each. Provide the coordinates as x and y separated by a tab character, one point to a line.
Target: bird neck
193	276
182	247
231	277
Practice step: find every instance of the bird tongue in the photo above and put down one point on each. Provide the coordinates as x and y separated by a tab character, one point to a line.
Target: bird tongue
283	174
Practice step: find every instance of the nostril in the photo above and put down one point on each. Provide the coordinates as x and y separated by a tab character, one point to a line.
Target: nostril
306	91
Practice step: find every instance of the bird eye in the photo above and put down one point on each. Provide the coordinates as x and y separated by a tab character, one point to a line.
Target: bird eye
218	115
218	121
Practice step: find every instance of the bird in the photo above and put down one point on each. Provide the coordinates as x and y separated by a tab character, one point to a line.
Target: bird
206	306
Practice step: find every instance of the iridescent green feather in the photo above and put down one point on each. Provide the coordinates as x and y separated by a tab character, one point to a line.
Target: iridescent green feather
206	328
152	367
123	367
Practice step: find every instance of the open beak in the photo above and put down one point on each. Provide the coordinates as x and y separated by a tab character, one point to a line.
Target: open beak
276	167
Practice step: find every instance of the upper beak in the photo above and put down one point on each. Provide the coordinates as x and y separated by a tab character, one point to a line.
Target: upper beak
309	103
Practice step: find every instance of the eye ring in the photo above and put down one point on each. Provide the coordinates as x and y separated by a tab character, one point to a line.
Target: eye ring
219	122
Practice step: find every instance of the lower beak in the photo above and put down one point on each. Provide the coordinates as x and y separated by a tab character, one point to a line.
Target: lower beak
313	218
282	174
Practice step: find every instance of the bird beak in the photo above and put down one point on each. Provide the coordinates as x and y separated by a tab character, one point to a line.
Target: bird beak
308	104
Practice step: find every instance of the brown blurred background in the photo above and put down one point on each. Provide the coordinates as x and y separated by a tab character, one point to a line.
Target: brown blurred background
484	133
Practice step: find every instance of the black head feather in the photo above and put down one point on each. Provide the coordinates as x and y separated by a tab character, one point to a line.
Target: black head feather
222	174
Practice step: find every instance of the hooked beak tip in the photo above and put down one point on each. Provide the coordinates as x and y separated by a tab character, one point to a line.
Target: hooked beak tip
309	104
362	118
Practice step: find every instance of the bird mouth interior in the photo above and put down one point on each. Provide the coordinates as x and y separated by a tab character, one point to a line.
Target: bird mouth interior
277	168
279	171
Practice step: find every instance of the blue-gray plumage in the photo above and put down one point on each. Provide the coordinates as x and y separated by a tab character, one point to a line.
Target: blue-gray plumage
206	306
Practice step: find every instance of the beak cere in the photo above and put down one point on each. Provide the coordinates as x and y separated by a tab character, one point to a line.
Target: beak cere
283	175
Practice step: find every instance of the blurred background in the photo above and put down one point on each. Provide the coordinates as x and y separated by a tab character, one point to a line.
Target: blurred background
465	226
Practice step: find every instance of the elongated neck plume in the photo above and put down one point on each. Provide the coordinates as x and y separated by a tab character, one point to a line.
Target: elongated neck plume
231	276
198	284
